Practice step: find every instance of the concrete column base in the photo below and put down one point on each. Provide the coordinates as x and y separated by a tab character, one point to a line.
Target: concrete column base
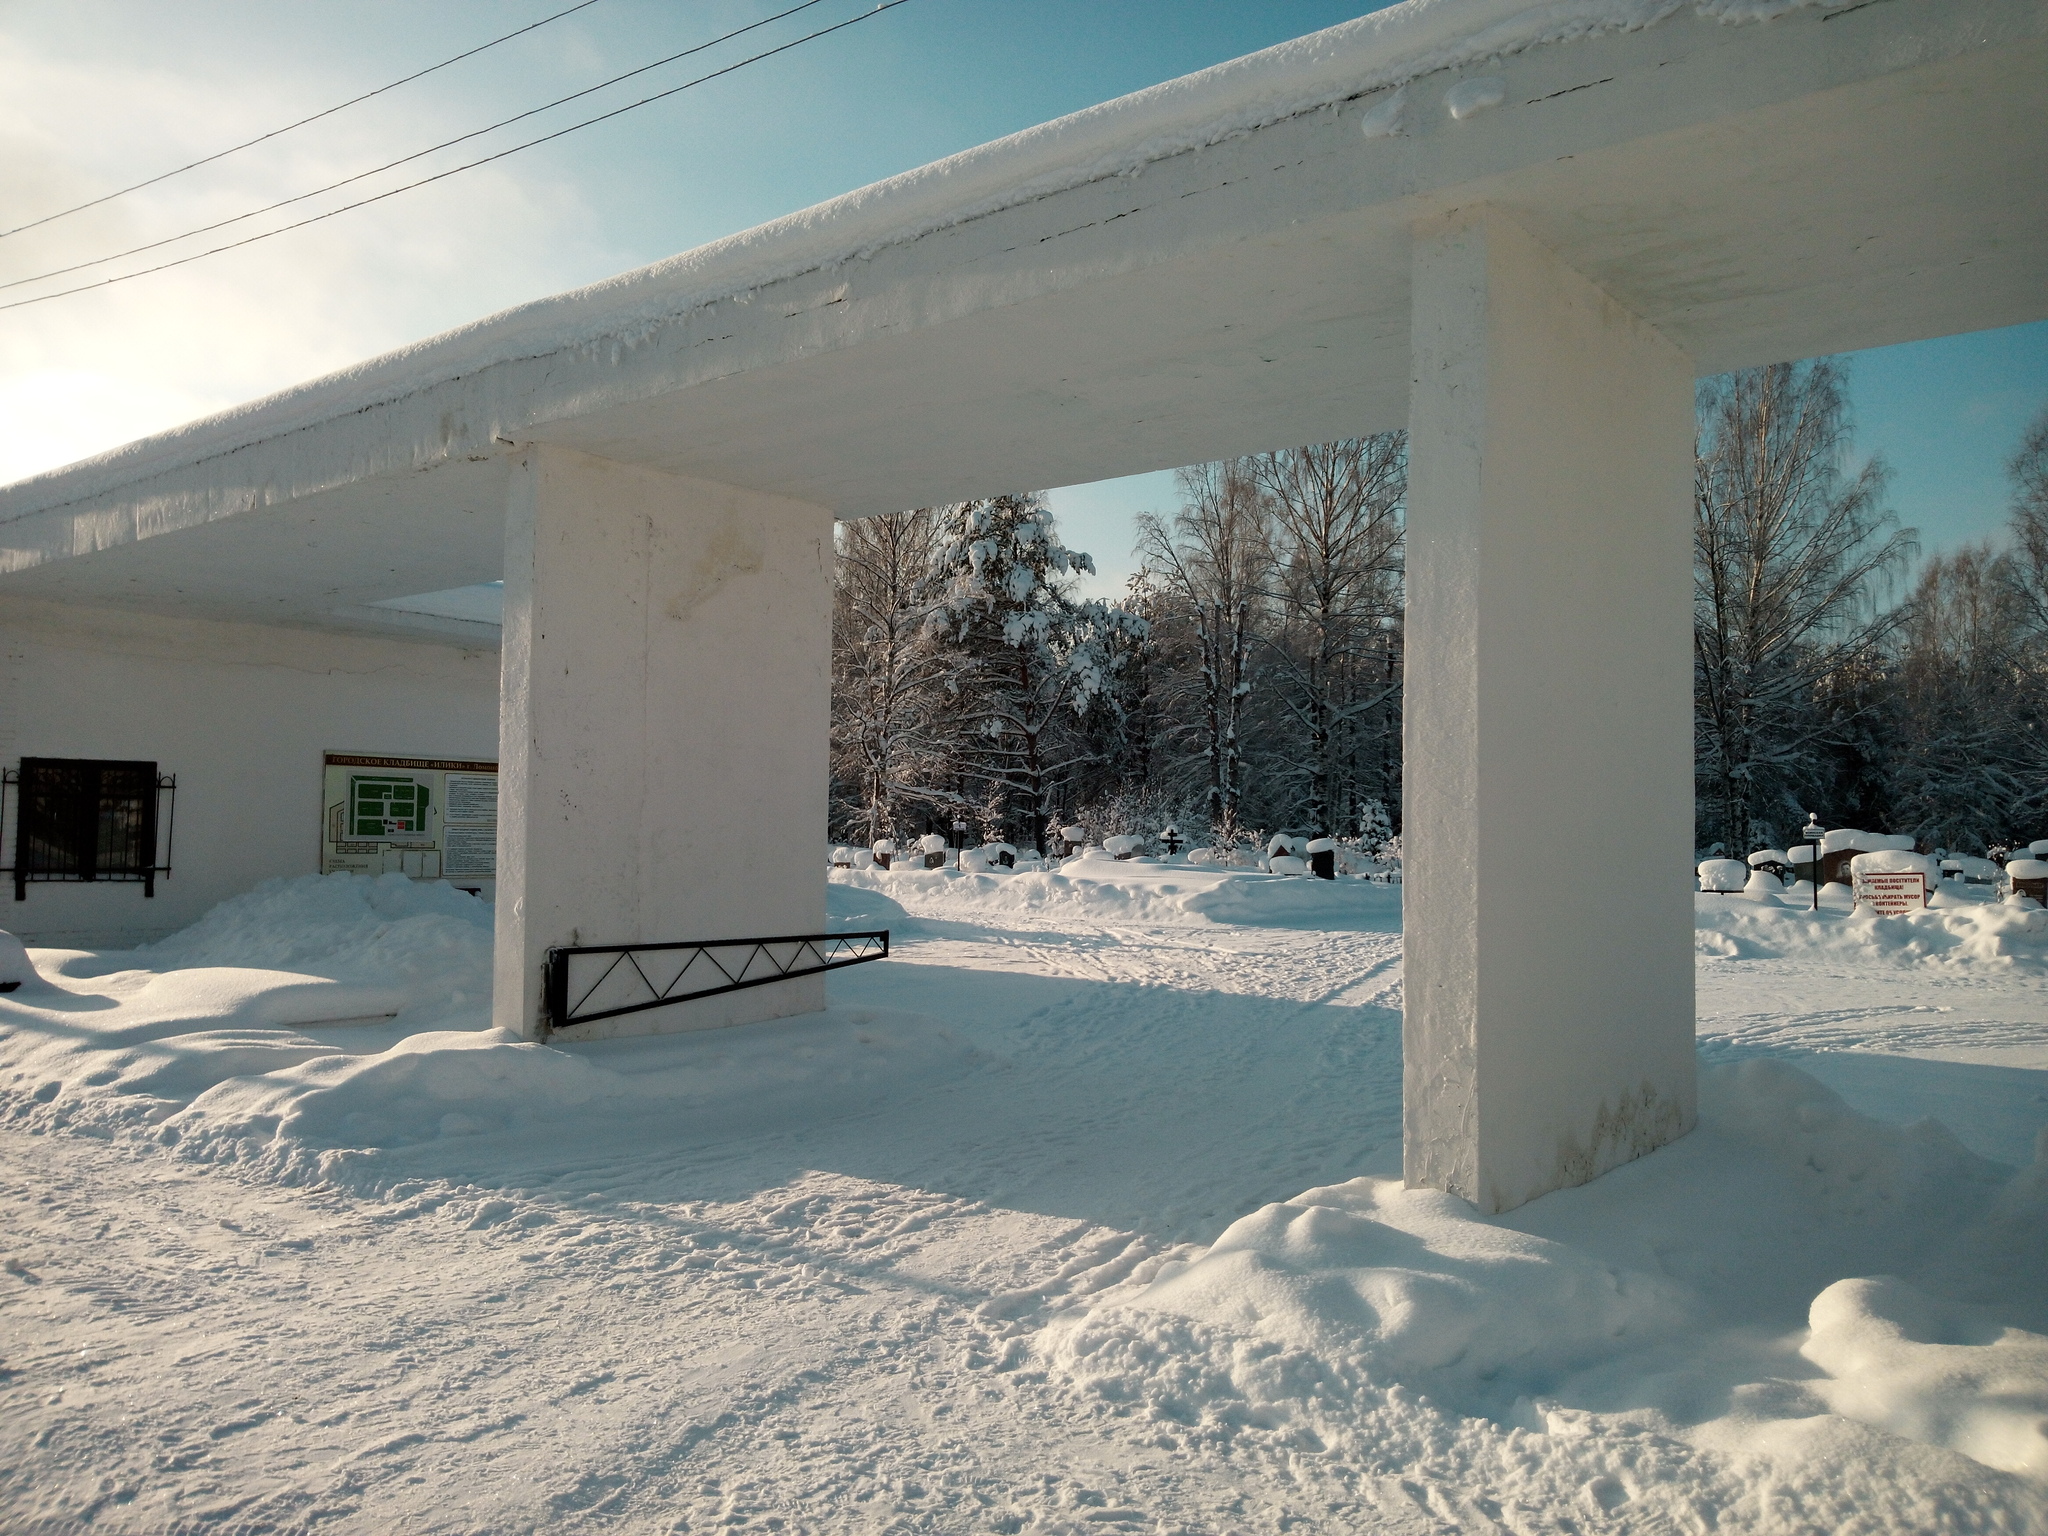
665	708
1548	1033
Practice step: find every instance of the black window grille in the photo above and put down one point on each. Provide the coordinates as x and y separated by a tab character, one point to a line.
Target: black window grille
88	819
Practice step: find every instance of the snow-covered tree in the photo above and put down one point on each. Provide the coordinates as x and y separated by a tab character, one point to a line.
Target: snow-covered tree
1790	552
888	677
1211	566
1026	662
2027	573
1956	771
2023	574
1335	523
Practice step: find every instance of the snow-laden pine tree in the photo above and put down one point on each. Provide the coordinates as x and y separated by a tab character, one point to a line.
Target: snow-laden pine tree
1790	550
1025	661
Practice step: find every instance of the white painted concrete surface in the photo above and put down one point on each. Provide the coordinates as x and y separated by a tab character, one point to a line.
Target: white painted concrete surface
1547	724
664	724
1217	266
242	714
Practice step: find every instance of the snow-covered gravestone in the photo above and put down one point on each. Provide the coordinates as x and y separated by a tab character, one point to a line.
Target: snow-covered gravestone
933	847
1284	855
1322	857
1123	846
884	852
2029	878
1771	861
1838	848
1770	871
1072	840
16	969
1723	876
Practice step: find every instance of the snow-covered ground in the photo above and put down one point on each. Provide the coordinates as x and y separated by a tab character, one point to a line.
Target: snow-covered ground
1015	1238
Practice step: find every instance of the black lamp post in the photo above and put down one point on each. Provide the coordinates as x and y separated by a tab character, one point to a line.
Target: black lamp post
1812	835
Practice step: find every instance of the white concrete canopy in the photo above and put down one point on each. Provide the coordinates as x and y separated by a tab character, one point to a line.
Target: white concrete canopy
1226	263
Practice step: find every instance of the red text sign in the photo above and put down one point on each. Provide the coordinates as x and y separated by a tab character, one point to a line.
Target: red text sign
1888	895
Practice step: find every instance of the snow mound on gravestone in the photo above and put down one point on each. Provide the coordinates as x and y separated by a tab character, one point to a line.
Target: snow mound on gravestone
16	968
1956	931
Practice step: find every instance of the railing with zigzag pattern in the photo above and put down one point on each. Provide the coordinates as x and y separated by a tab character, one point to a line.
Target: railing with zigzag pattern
584	983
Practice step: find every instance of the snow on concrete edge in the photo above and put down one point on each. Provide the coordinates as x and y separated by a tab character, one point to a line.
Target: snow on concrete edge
1375	52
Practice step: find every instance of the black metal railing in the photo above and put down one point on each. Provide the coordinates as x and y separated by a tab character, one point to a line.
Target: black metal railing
584	983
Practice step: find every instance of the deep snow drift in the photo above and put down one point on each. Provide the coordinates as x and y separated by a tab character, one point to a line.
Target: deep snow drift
1009	1239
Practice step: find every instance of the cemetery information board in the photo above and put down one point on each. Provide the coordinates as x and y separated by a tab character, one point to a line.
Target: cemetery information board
1889	895
426	817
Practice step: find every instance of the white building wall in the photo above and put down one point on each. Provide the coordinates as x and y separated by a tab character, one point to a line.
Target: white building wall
242	714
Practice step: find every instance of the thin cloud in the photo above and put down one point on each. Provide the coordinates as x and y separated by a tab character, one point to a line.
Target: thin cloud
99	369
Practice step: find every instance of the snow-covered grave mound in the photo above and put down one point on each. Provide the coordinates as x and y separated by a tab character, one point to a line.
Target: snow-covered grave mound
328	1014
1956	930
1099	888
1692	1301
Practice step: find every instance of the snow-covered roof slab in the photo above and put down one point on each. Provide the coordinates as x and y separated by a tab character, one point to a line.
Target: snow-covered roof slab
1215	265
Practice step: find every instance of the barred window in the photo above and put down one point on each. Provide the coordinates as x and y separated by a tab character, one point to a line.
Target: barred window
83	819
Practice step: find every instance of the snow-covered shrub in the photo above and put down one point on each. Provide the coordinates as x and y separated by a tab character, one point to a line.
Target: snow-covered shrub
1376	832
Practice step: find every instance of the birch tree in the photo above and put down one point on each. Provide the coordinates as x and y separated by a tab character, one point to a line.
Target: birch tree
1790	552
888	678
1210	566
1958	765
1335	522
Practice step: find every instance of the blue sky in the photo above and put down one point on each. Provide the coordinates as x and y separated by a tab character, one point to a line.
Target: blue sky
102	91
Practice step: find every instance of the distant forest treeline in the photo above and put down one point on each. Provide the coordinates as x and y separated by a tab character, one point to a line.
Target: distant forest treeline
1249	680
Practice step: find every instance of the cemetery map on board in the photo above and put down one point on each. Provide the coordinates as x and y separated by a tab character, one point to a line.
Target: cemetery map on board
427	818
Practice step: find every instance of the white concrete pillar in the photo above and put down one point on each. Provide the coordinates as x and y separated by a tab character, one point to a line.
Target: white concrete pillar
1548	735
665	706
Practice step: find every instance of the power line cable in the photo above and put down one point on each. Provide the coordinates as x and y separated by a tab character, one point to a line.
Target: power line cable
260	138
300	197
887	5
